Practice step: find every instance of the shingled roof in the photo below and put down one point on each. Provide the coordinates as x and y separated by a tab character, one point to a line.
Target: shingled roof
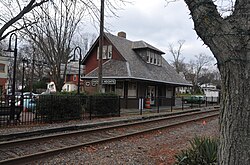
136	68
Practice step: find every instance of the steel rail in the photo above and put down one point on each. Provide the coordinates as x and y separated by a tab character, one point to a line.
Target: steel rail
127	124
31	157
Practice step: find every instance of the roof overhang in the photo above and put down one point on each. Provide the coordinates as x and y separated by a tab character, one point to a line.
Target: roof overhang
141	79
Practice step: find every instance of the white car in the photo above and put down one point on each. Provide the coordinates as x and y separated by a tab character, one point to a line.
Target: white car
29	94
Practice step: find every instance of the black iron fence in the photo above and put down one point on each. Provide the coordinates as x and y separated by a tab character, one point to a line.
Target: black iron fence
59	108
163	104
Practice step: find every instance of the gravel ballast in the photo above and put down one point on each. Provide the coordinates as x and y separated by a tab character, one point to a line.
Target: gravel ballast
158	147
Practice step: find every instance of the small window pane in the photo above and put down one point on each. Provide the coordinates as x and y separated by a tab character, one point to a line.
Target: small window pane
2	68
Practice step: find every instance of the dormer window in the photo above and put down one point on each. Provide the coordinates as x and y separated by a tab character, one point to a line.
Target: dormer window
151	57
148	57
154	58
159	63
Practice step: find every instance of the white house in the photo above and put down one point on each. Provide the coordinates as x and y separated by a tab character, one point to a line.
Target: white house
212	94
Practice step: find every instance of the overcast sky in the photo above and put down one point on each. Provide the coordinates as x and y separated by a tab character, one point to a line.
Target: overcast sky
159	24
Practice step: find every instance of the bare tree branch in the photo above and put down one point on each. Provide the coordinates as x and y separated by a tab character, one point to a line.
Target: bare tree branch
31	5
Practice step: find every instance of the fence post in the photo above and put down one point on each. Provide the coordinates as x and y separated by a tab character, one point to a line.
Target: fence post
171	103
182	105
191	102
206	101
119	105
52	100
199	100
158	104
90	107
141	104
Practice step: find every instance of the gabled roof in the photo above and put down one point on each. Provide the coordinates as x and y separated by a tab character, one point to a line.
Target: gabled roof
134	67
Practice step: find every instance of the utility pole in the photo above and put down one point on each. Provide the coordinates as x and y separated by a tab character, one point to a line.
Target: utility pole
100	47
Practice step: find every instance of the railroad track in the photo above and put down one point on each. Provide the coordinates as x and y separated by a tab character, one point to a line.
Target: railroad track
33	148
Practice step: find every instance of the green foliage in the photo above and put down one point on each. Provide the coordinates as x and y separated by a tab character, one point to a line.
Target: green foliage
203	151
73	93
105	94
105	104
68	105
56	107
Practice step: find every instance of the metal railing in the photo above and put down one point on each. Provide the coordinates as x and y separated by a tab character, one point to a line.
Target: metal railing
163	104
60	108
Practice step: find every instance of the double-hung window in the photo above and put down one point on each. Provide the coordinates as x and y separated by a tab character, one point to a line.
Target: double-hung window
106	52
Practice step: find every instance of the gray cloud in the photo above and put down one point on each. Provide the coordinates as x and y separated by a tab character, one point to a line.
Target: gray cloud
159	25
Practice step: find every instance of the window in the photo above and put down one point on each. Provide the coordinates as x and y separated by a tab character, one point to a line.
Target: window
169	92
132	89
151	57
106	52
155	59
119	89
160	63
148	57
109	51
2	68
74	78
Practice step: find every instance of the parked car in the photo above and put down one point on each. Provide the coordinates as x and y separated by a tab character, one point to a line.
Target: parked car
29	94
29	104
17	95
195	99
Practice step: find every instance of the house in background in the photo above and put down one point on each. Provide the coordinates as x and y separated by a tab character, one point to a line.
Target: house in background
4	62
211	92
132	69
71	78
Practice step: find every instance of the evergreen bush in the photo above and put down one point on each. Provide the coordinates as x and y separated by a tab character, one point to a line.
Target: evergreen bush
59	107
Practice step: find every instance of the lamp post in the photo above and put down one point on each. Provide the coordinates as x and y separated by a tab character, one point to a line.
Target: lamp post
13	89
24	60
79	67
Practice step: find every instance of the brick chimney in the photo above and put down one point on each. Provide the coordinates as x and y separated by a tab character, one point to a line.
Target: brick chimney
121	34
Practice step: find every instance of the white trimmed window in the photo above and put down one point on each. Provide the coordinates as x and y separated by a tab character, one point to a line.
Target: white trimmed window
132	89
106	52
148	57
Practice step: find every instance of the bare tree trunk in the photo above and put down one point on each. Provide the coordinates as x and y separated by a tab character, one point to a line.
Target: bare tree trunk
229	40
235	114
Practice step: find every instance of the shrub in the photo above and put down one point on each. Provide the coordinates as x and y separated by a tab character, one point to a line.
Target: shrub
59	107
104	104
203	151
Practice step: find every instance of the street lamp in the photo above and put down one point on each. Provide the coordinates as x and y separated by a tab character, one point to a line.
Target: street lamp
12	108
79	67
24	60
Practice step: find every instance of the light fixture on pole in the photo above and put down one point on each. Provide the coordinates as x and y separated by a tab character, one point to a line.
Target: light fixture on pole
24	60
13	89
79	67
